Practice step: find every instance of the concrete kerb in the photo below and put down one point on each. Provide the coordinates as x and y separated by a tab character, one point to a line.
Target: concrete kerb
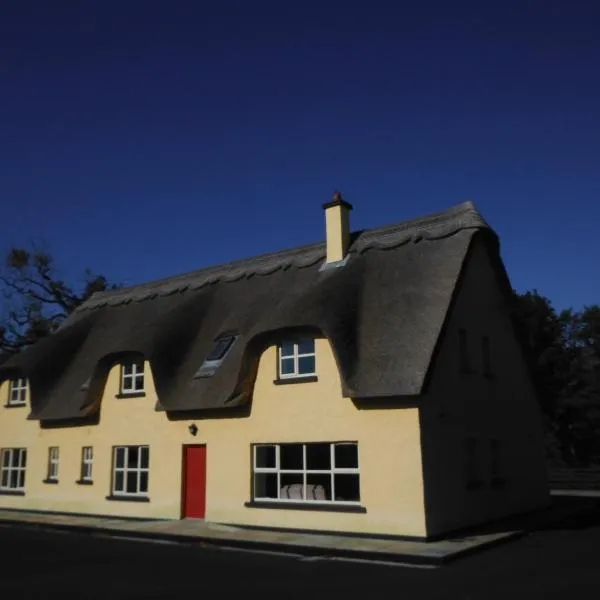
260	545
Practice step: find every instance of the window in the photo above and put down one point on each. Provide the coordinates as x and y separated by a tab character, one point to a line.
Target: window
53	464
496	470
87	459
297	359
463	351
220	348
12	473
132	377
486	356
316	472
130	470
214	358
17	392
472	463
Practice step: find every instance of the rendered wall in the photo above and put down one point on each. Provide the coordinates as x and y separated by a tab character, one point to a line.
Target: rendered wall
389	454
461	405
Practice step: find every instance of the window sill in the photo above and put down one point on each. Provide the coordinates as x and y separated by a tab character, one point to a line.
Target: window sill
319	506
296	379
131	395
12	492
54	481
128	498
84	482
13	405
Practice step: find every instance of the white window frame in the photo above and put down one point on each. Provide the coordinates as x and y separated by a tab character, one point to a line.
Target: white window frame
296	356
332	471
53	461
17	393
132	373
125	470
87	463
10	465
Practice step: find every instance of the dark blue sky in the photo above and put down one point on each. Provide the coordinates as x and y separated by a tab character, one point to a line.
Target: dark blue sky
146	138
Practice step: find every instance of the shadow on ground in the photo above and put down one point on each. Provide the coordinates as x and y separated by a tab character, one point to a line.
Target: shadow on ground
565	513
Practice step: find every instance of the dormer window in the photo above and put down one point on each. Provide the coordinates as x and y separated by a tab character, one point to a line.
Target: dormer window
215	357
132	377
17	392
297	359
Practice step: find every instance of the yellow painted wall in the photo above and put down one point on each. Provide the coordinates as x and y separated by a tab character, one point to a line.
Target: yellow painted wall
459	405
389	454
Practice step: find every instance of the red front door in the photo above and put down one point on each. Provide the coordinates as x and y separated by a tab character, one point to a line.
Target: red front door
194	481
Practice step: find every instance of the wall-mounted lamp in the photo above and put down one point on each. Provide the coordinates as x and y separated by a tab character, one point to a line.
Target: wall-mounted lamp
193	429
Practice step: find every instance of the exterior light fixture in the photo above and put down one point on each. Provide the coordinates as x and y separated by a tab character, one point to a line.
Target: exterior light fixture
193	429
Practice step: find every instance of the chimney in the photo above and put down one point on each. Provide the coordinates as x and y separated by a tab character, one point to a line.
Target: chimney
337	227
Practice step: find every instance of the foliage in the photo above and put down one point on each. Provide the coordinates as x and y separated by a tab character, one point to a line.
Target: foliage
35	299
564	350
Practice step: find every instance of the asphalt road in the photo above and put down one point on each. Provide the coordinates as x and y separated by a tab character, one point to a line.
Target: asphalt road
36	564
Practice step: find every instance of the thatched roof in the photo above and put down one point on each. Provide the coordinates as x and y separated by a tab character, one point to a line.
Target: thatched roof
383	312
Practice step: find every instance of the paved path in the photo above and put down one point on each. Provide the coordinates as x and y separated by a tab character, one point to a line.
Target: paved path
189	530
551	565
355	547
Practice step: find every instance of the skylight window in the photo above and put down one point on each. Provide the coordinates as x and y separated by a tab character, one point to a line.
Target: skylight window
220	348
214	358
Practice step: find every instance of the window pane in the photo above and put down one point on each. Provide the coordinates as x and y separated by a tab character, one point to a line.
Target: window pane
132	457
132	480
292	487
119	481
265	457
318	487
15	457
138	383
127	368
5	458
220	348
120	461
306	365
87	471
286	349
145	450
14	479
4	479
23	458
346	456
346	488
318	457
22	478
291	457
144	481
287	366
306	347
265	485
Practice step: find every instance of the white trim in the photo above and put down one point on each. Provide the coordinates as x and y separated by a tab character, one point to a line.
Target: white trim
125	470
13	464
53	459
87	463
17	392
132	377
295	358
332	472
